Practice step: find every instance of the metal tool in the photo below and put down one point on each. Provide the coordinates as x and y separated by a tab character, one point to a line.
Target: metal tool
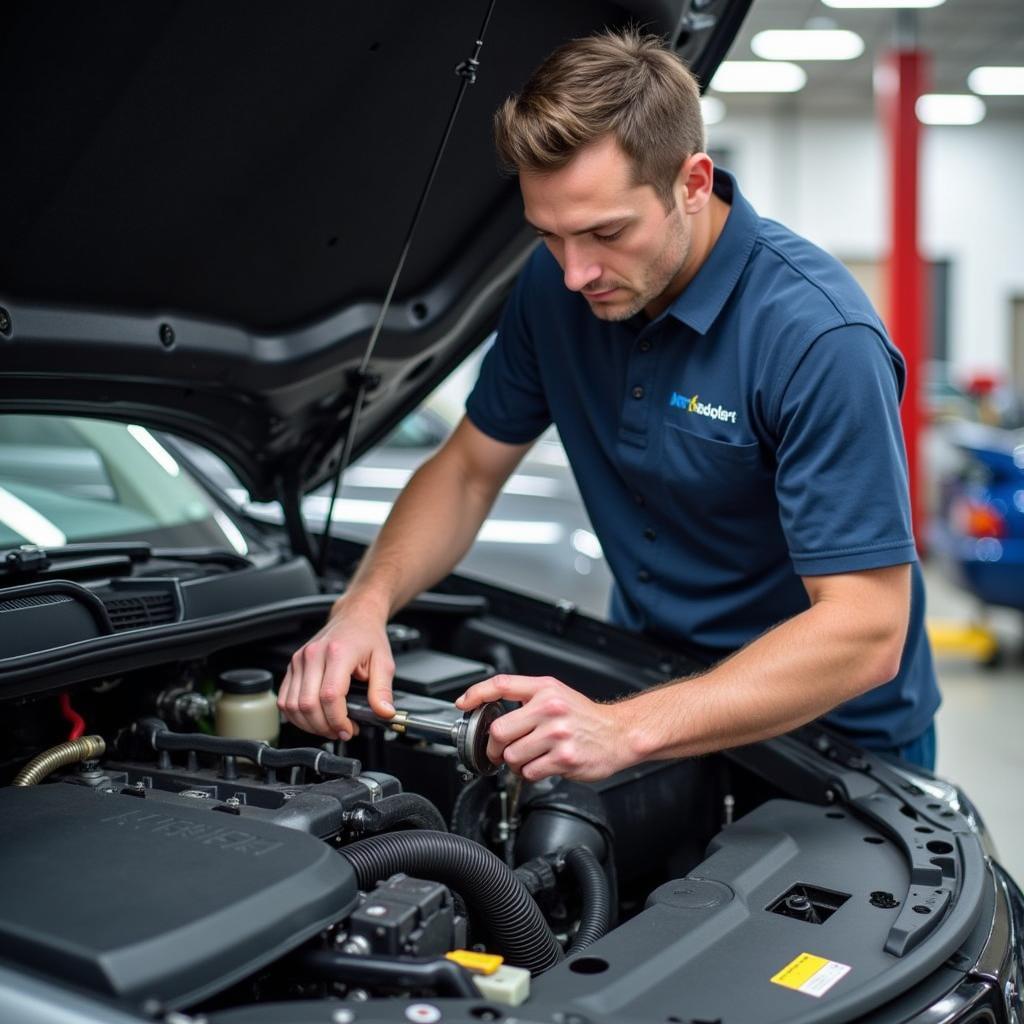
436	721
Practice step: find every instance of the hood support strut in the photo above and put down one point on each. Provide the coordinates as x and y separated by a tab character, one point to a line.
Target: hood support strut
466	71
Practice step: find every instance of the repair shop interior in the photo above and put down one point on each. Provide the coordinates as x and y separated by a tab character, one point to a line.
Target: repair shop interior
512	511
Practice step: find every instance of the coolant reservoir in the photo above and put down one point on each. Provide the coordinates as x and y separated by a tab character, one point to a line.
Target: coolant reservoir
247	708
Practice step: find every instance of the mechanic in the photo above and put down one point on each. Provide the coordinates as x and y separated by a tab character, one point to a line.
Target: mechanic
728	400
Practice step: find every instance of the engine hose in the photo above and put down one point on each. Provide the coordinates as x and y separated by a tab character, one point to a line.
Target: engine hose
595	894
397	810
488	886
88	748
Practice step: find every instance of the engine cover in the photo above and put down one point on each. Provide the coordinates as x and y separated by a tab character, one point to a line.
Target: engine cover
138	900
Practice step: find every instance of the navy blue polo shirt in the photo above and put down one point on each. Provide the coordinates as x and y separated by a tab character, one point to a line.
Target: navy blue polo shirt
747	436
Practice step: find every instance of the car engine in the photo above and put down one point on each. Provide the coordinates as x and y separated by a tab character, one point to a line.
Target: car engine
174	851
181	856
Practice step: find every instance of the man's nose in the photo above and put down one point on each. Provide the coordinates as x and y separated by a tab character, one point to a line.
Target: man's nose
579	270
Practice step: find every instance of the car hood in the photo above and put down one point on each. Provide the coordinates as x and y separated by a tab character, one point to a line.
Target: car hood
203	206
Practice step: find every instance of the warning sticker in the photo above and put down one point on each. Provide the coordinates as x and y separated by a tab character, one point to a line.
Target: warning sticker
812	975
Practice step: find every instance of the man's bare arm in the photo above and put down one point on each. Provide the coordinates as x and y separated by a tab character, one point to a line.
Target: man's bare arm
430	528
435	519
848	641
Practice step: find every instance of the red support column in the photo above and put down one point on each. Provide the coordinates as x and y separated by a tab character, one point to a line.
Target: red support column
901	80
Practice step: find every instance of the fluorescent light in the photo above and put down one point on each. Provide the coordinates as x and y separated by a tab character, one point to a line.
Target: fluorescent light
586	543
500	531
807	44
231	532
159	453
519	531
758	76
854	4
25	520
712	108
997	81
949	108
394	478
346	510
386	478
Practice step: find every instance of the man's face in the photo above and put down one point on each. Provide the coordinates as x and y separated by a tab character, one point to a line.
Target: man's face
614	240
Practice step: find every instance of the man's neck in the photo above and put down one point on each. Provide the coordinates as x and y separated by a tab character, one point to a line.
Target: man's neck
707	228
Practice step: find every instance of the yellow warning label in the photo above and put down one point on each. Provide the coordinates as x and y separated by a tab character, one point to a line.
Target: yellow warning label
810	974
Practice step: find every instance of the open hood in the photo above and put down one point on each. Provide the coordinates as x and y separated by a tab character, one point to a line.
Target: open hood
203	206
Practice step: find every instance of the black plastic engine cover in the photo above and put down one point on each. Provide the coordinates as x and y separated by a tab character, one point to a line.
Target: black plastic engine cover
134	899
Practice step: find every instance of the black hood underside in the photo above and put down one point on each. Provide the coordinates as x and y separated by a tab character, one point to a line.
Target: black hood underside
203	205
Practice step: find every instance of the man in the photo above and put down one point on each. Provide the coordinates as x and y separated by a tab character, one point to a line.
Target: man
728	400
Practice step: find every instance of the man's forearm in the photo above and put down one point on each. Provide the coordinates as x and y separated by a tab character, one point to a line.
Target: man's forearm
796	672
430	528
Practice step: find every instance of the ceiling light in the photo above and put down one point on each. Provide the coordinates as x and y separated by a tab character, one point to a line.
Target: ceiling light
758	76
997	81
807	44
853	4
944	108
712	108
159	453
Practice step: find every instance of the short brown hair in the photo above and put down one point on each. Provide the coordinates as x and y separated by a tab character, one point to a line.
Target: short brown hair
620	82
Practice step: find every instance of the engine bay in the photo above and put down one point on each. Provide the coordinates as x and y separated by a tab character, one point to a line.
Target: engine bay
172	848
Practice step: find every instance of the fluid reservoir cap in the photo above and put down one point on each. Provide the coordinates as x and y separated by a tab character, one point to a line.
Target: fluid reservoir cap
692	894
246	680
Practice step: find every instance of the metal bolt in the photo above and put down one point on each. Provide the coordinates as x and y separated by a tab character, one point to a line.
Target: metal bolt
358	945
343	1017
166	335
5	321
376	910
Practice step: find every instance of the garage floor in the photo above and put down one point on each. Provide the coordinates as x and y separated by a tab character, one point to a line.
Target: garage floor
981	722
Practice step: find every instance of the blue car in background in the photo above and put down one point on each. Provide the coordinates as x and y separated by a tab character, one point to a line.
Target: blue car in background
980	528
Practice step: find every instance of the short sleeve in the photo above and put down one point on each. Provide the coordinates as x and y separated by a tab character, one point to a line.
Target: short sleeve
508	401
841	480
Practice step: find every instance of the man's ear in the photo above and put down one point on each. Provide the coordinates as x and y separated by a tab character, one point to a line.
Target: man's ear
693	185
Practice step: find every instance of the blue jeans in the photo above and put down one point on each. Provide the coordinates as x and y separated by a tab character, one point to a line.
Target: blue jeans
920	751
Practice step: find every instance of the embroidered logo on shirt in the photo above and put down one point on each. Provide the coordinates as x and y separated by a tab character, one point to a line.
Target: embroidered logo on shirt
694	405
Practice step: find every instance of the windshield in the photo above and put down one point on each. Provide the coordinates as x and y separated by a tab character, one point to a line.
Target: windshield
67	480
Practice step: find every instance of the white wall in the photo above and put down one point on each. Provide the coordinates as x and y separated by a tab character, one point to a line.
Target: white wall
828	180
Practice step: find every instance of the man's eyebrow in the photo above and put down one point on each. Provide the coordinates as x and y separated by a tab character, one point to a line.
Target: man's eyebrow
606	223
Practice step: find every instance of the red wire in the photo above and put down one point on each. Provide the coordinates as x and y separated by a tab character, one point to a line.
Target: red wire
76	720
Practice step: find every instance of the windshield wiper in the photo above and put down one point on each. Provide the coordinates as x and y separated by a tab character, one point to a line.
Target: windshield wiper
31	560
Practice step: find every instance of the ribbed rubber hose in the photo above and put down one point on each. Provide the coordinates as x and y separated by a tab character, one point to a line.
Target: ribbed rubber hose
87	748
595	897
488	886
400	809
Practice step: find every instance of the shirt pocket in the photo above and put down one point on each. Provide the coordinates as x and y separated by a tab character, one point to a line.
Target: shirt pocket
713	478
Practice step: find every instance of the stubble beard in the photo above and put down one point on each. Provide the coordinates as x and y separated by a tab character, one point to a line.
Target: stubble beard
656	279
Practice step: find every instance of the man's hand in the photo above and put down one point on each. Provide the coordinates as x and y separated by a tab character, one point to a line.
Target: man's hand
557	731
353	644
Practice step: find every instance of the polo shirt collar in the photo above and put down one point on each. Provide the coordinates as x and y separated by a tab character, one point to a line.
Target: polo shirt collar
704	297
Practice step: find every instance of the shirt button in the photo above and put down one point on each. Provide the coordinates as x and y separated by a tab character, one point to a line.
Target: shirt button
649	533
643	576
645	345
638	392
638	498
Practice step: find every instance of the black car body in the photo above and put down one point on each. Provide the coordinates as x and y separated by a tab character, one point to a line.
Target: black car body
203	206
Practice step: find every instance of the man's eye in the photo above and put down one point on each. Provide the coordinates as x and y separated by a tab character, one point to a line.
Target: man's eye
609	238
